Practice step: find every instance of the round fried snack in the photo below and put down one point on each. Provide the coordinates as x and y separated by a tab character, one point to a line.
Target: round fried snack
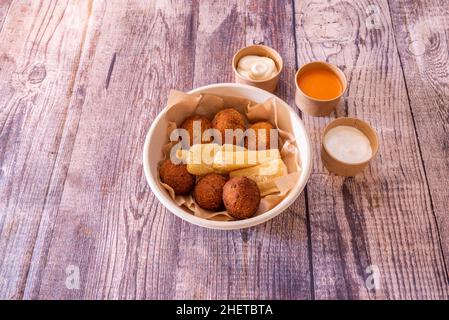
188	125
261	140
228	119
177	177
241	197
208	192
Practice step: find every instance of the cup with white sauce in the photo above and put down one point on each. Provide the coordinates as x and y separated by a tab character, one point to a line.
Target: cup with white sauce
258	66
349	144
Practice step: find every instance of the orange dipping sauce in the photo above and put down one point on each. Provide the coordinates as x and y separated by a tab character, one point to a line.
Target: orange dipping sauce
320	83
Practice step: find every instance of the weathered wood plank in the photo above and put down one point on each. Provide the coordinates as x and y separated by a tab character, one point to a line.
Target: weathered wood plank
382	218
4	8
422	37
80	83
39	53
109	225
269	261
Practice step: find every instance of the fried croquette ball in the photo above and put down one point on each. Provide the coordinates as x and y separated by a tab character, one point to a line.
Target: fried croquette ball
241	197
228	119
262	139
177	177
208	192
188	125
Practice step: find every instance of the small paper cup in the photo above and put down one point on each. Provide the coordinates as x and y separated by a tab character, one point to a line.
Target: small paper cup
342	168
317	107
263	51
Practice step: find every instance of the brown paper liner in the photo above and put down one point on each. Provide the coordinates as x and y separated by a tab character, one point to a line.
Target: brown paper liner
182	105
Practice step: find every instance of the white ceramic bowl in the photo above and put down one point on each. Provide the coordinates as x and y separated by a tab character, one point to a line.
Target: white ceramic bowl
156	138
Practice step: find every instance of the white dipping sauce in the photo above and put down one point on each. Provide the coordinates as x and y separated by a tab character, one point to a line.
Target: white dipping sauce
256	67
348	144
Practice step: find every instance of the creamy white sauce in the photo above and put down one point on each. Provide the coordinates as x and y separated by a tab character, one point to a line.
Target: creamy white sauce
256	67
348	144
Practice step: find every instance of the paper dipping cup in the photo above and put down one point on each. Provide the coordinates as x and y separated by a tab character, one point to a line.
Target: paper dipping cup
342	168
263	51
317	107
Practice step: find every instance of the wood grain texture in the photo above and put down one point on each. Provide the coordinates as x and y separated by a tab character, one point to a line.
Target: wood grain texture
271	260
109	224
422	29
384	216
39	53
132	247
4	8
82	81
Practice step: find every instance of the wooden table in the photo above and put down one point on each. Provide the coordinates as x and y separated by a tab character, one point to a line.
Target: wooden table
81	82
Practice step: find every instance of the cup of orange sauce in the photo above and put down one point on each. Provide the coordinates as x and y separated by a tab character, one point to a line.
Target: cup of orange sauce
319	88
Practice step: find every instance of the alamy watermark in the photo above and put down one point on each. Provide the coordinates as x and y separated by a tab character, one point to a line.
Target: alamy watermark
72	280
373	20
266	139
372	281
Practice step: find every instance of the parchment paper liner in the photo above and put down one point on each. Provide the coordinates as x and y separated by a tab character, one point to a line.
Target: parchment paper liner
181	105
